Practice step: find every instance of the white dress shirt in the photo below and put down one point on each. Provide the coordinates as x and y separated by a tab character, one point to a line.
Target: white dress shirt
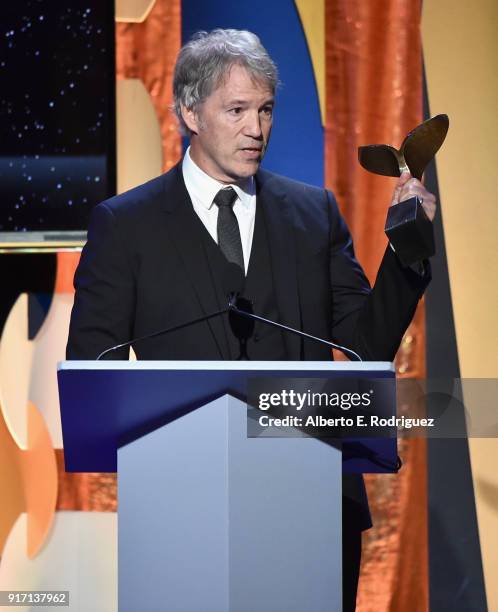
202	190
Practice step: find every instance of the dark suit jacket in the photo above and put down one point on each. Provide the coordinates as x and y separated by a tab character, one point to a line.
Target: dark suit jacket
141	271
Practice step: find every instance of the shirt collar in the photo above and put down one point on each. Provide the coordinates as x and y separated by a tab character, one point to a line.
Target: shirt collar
204	187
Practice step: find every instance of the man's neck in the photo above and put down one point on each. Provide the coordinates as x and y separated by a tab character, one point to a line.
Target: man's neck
244	183
220	178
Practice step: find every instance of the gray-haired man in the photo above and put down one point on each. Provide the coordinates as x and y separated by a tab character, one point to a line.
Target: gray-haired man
157	255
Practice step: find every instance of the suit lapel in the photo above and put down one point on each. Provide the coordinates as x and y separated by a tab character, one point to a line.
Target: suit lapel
184	229
281	238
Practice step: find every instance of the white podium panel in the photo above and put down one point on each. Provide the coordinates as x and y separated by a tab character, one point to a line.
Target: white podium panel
213	521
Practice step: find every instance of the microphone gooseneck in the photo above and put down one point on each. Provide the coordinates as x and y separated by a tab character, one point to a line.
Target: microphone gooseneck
239	306
241	318
161	332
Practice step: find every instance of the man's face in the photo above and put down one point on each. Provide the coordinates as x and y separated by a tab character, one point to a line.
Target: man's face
231	127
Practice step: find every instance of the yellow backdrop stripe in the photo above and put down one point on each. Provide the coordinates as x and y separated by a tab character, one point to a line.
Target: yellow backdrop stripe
312	15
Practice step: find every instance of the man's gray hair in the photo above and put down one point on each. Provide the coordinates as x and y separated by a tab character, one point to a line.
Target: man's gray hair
205	60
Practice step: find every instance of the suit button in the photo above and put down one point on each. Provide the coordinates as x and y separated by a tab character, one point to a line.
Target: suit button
256	338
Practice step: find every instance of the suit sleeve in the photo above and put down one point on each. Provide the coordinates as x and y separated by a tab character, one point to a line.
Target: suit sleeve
104	303
371	321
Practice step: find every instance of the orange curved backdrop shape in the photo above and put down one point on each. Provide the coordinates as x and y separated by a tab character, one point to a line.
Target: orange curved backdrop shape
28	479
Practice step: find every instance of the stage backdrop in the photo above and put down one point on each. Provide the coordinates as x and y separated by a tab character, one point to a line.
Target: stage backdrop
351	74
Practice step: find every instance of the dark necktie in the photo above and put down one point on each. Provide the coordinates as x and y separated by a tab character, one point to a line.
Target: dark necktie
228	227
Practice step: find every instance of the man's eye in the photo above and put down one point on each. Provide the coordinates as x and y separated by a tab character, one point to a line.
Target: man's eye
267	110
236	110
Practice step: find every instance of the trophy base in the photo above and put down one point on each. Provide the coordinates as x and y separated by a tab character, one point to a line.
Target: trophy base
410	231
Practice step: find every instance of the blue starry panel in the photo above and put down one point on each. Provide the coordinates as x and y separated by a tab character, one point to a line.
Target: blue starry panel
57	135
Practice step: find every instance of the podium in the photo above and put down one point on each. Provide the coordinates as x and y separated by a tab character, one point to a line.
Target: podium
210	519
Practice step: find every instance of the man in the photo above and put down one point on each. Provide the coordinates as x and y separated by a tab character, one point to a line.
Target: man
159	254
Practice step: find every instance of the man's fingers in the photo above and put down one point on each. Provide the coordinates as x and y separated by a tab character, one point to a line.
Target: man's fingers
402	181
408	191
408	187
428	199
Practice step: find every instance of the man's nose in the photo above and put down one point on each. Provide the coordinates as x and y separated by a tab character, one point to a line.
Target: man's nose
253	125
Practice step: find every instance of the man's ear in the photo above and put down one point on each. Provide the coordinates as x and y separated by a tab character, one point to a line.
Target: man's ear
191	118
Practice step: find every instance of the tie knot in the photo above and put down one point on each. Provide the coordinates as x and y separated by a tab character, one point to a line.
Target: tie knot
225	197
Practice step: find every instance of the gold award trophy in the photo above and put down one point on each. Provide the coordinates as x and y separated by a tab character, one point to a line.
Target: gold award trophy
407	227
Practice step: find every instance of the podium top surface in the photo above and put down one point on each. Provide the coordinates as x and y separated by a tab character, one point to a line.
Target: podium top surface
231	366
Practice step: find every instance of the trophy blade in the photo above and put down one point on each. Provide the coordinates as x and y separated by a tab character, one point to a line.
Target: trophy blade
379	159
422	143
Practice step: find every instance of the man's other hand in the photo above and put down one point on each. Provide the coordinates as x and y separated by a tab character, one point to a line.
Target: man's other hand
408	187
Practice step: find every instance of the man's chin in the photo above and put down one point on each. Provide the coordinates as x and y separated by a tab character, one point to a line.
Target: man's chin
243	170
249	167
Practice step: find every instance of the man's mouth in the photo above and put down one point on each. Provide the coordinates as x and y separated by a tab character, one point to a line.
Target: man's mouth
252	153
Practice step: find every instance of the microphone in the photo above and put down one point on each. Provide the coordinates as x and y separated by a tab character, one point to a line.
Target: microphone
242	327
243	308
240	309
162	331
241	318
233	284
